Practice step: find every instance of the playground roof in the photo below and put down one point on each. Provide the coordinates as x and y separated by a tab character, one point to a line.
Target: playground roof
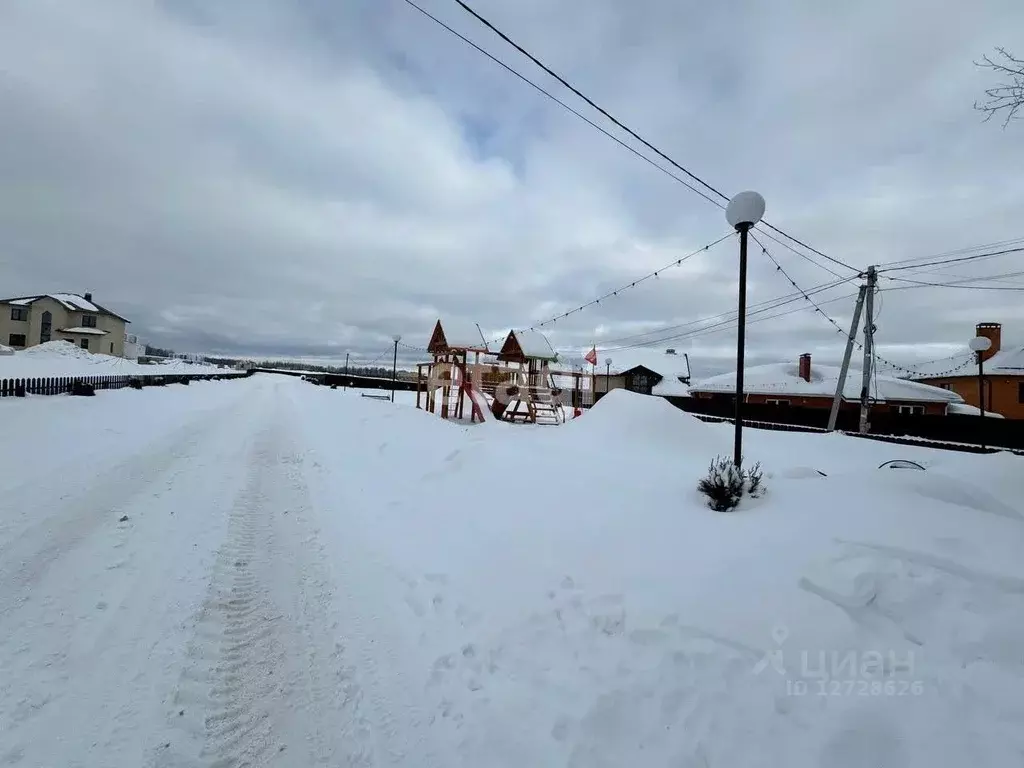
527	345
454	334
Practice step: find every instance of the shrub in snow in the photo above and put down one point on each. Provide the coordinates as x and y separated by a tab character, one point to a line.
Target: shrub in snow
725	484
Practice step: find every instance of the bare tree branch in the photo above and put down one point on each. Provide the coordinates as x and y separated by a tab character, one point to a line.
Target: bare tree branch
1008	95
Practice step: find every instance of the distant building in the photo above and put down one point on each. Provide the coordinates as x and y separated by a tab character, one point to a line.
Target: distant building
1004	376
646	371
800	385
30	320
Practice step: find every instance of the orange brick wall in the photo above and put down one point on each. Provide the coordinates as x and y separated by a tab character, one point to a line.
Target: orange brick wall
1001	392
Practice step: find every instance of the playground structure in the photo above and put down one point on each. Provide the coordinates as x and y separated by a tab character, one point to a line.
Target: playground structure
532	397
513	383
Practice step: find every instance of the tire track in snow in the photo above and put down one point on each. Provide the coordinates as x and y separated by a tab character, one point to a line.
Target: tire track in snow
266	681
65	522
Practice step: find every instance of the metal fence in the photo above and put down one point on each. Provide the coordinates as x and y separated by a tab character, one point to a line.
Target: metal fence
59	385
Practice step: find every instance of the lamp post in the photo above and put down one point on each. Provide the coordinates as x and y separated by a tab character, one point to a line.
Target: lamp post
607	375
394	366
980	345
346	368
742	213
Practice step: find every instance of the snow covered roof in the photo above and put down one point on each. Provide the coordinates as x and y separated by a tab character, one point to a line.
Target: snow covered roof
533	345
70	301
669	366
1005	362
457	334
971	410
82	330
5	350
784	378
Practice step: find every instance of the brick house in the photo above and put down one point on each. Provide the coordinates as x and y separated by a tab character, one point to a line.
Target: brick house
30	320
800	385
1004	376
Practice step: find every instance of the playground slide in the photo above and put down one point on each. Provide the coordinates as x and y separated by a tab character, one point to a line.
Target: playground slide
480	405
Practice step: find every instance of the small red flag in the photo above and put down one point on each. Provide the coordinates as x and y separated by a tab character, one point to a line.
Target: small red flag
591	356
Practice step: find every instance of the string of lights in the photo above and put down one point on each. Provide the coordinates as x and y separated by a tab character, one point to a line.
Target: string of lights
631	284
729	316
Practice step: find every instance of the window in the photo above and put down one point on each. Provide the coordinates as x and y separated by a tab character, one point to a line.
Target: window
775	401
44	328
84	343
910	410
88	321
944	385
111	347
16	340
19	313
1020	392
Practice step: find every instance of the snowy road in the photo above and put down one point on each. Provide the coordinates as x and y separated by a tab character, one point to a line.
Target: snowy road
267	573
171	609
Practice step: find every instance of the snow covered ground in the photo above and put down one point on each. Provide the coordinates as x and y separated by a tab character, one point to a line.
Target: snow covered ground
266	572
62	358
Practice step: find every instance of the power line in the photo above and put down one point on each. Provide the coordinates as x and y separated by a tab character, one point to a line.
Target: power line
727	324
792	282
922	284
955	251
775	302
610	117
561	103
957	260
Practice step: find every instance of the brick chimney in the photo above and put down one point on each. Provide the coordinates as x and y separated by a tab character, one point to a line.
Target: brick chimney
805	366
88	297
994	333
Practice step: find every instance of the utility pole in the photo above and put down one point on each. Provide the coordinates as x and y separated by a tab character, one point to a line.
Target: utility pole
841	384
869	349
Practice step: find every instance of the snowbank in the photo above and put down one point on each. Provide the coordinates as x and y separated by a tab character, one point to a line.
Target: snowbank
563	596
62	358
971	410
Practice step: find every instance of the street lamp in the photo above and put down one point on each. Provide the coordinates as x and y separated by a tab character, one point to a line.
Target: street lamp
394	366
346	368
608	375
980	345
742	213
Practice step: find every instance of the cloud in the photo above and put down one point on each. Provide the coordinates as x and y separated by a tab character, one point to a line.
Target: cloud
313	177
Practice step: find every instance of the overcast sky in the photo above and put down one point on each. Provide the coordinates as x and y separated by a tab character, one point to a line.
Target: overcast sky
305	177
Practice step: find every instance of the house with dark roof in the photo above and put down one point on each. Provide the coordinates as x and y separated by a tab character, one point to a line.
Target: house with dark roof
26	321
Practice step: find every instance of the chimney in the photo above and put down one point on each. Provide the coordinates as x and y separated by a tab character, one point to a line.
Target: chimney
805	366
88	297
994	333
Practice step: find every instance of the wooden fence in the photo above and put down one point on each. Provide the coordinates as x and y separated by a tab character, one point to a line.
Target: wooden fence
60	385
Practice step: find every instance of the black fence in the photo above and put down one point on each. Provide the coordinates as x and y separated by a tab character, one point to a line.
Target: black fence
61	385
346	379
951	431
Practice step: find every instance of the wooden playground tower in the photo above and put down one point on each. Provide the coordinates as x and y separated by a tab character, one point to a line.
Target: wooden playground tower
532	397
450	350
520	387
